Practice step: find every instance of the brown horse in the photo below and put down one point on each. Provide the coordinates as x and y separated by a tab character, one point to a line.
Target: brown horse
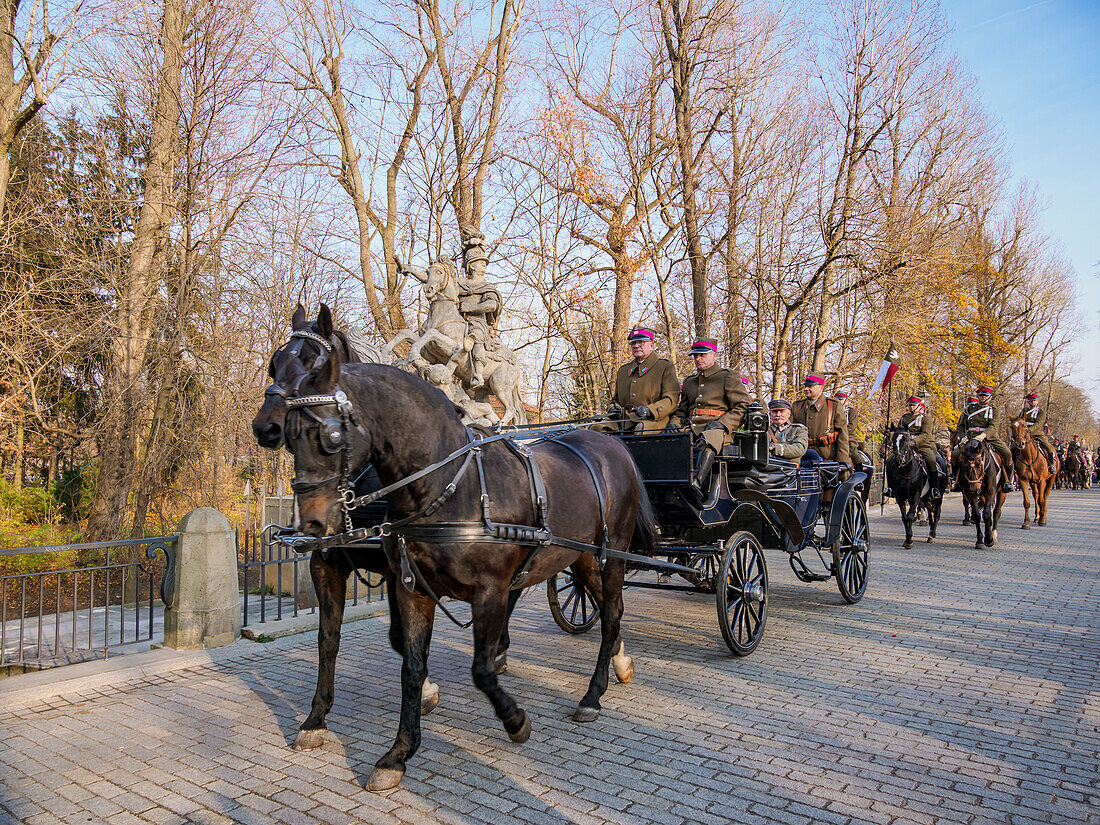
1033	470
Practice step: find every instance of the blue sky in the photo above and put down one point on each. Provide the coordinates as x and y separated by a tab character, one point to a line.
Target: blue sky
1037	63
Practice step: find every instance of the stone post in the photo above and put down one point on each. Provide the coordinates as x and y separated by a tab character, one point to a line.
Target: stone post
206	605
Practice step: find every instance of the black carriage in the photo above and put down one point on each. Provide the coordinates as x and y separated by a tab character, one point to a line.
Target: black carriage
813	510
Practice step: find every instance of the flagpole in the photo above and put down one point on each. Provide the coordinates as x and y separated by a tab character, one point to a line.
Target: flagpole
886	427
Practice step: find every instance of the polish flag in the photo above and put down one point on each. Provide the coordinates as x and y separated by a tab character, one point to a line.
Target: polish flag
886	371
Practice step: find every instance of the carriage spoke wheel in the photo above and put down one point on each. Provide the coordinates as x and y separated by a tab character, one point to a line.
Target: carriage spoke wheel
742	593
573	607
706	567
850	551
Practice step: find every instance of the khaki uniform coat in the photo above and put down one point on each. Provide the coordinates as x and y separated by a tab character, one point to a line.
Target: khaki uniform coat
983	421
653	384
1036	418
825	421
790	442
715	396
921	426
855	437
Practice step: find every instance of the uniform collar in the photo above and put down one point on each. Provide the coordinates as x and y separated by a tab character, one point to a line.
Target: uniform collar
715	368
650	360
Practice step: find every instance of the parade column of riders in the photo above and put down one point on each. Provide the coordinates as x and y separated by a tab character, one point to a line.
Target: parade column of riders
648	398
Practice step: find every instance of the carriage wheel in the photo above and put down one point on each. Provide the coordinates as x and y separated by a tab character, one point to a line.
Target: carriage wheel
850	551
742	593
706	575
573	607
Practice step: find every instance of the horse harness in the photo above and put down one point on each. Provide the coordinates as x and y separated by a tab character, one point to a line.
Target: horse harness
334	437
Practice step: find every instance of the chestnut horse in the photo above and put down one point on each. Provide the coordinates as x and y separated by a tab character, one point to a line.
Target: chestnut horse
1033	471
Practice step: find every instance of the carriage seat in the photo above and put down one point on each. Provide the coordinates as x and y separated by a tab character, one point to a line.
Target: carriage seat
811	457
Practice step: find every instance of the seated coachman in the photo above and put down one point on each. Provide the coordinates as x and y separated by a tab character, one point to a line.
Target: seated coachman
646	388
712	402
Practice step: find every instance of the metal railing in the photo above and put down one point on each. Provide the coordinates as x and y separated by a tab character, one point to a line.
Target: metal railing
274	580
97	605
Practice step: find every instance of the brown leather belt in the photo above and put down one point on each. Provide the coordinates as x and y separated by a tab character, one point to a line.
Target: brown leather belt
707	412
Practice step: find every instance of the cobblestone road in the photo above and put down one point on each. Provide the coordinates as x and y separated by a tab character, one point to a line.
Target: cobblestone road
963	688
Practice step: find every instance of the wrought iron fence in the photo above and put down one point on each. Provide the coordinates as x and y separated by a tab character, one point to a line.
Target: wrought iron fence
274	580
102	598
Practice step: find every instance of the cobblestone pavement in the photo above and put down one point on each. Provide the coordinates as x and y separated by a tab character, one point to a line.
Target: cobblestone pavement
963	688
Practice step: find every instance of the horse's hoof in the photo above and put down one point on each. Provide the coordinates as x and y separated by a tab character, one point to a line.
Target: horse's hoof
1042	522
384	779
308	740
978	544
1025	526
500	664
624	668
429	697
991	543
908	545
583	714
524	732
931	539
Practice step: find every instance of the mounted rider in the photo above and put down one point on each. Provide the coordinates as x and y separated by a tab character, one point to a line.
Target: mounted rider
982	421
1036	419
918	423
712	402
786	440
646	388
855	437
824	419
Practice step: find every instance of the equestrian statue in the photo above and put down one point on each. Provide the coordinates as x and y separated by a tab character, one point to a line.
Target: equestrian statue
460	333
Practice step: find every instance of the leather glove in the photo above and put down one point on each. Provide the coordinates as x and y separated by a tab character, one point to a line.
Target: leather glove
615	411
671	428
644	413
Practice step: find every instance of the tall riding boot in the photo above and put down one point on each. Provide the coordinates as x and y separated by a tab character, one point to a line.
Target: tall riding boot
703	471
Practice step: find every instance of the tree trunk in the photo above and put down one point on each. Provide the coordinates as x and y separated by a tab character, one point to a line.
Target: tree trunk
138	290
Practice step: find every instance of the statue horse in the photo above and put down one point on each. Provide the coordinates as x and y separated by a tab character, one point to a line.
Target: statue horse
907	475
980	478
442	339
1033	470
553	504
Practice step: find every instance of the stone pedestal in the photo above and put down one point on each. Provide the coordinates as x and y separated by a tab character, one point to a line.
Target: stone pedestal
206	608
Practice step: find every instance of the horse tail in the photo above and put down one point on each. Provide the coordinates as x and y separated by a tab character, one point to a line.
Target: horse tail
644	539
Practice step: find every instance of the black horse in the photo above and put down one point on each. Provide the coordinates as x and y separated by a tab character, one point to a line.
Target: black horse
308	347
980	473
584	495
907	476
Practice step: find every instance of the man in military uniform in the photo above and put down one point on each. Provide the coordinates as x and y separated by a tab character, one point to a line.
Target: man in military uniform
855	438
983	422
646	388
712	402
786	440
1036	419
824	419
919	424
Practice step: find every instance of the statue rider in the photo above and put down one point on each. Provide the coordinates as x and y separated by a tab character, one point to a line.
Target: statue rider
479	303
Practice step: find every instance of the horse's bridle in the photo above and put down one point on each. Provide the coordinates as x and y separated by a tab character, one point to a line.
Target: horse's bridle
293	348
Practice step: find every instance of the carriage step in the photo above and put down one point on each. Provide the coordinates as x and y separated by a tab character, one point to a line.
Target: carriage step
805	574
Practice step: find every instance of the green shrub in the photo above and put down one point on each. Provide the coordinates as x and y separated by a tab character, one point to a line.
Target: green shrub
28	505
72	492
